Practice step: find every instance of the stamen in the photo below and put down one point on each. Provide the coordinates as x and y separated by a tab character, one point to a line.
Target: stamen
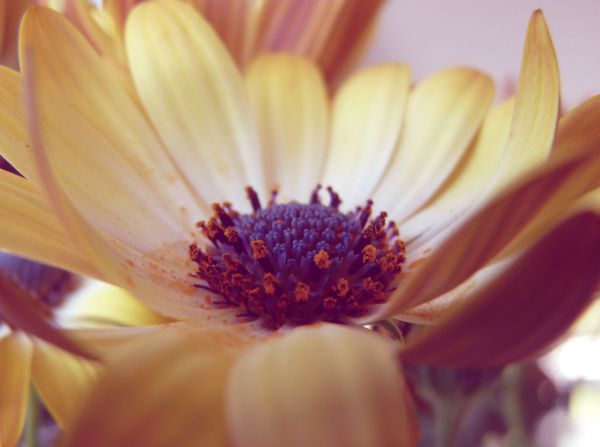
298	263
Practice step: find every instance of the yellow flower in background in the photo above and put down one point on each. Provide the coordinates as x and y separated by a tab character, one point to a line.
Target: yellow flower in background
333	34
494	248
61	379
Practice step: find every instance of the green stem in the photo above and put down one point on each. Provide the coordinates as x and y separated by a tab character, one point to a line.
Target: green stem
33	419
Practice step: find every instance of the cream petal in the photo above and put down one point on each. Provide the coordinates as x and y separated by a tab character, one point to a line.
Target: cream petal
320	386
496	223
442	117
62	381
15	358
104	153
30	228
367	118
290	103
168	391
536	106
525	309
467	185
200	108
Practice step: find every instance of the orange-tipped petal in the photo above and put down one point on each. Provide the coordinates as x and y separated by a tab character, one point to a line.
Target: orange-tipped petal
524	310
291	106
15	360
536	105
168	391
487	232
17	309
320	386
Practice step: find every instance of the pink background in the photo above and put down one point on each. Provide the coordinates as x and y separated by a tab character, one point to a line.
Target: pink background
489	35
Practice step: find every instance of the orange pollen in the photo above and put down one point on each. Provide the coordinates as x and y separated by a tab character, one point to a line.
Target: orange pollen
322	260
259	249
231	234
301	292
269	283
369	253
342	287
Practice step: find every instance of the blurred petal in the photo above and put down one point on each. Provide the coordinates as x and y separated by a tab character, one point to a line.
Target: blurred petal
578	128
201	109
484	234
103	151
291	106
327	385
368	115
62	381
525	309
468	182
17	309
166	392
443	115
100	304
10	16
30	229
536	106
15	358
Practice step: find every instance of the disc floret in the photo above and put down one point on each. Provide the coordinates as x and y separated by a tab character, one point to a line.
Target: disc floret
298	263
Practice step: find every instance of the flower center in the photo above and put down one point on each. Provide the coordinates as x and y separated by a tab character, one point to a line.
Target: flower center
299	263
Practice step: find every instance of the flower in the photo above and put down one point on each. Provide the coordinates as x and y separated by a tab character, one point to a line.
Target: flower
119	173
61	379
332	34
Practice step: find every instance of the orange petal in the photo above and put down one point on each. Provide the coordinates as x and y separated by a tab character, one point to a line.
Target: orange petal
166	392
326	385
291	106
15	358
30	229
525	309
484	234
10	16
17	309
578	128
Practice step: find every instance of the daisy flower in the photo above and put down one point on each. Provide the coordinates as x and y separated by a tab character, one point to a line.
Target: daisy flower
333	34
163	186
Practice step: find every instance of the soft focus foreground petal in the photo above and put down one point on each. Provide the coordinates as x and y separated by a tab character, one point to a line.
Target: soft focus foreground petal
467	183
104	153
486	232
62	380
196	99
167	392
290	103
30	229
100	304
525	309
578	128
331	33
15	360
14	142
442	117
17	309
327	386
368	116
536	106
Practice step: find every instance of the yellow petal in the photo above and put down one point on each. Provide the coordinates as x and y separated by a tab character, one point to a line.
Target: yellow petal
498	221
30	228
13	133
578	128
443	115
525	309
15	361
103	151
291	107
166	392
467	184
368	115
100	304
10	16
536	106
320	386
62	380
200	109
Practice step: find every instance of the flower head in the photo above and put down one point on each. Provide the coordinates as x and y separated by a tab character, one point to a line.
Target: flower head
122	170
